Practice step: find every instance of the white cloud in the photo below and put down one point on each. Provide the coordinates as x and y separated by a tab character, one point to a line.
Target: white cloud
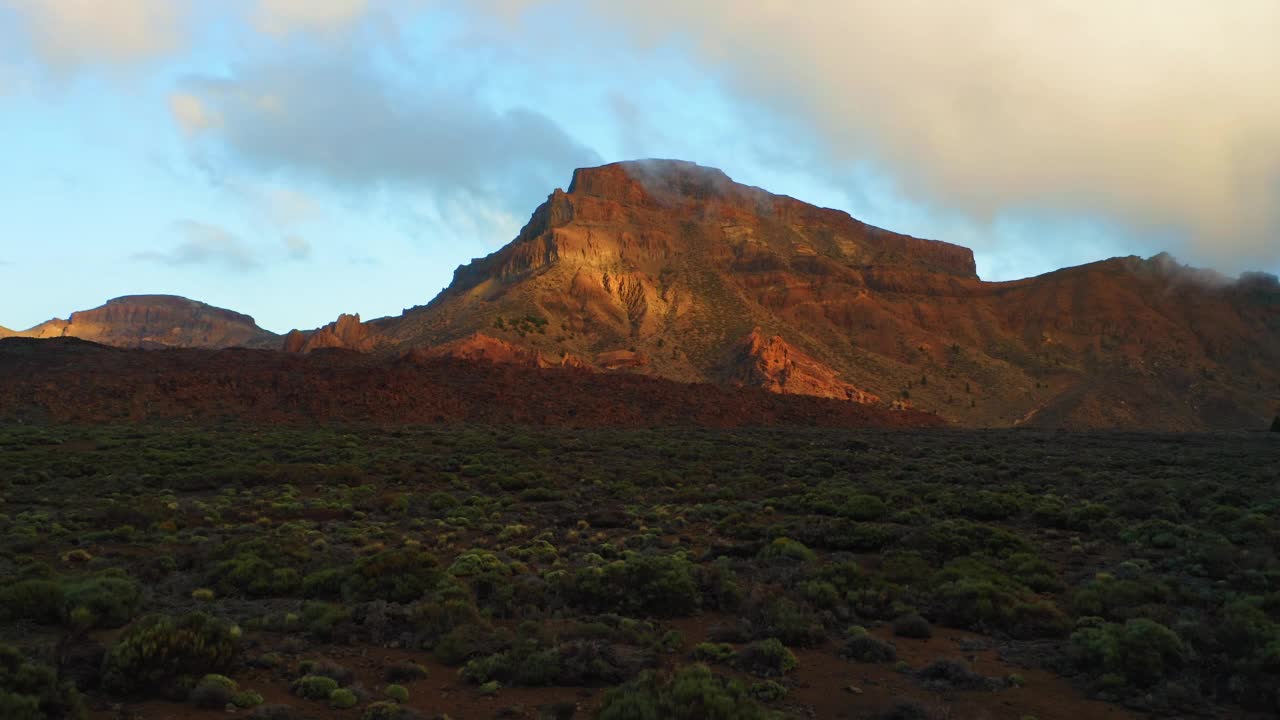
282	17
73	32
204	244
1160	114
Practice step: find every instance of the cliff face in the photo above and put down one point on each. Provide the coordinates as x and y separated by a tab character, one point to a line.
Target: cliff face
157	321
668	268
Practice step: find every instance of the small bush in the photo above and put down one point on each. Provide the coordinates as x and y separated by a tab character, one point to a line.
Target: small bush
912	626
787	550
397	693
714	652
767	658
768	691
389	711
159	649
692	694
863	647
111	601
34	692
950	674
404	672
246	699
343	699
36	600
314	687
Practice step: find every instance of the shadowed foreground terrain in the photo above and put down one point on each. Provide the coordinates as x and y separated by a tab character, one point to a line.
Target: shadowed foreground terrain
372	572
69	380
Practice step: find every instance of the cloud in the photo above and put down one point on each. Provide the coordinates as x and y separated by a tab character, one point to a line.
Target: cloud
191	113
1161	115
282	17
68	33
204	244
335	120
298	247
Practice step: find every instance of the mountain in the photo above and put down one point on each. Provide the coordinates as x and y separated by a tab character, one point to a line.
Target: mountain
157	321
672	269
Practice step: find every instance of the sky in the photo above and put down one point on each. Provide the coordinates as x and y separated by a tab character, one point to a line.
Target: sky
297	159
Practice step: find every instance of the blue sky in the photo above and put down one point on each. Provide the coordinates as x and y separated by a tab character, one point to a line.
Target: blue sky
295	159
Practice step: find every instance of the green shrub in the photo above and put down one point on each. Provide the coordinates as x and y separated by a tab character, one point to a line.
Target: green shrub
912	626
662	586
111	601
40	601
397	693
402	575
158	649
343	699
766	658
388	711
787	550
246	700
767	691
1141	651
314	687
33	692
864	508
693	693
404	671
714	652
862	646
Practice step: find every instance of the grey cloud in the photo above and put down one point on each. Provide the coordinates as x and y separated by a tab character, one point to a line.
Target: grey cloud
336	120
204	244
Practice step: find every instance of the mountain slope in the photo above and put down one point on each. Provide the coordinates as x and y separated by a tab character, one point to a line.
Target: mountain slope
675	266
158	321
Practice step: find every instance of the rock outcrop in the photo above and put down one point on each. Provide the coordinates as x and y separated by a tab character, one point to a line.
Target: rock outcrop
772	364
157	321
345	333
484	348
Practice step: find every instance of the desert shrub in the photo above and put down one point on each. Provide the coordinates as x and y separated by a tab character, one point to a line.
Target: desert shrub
912	626
466	642
389	711
530	662
213	692
954	675
397	693
314	687
719	586
714	652
784	619
36	600
29	691
662	586
1117	599
343	699
340	674
767	691
987	505
159	649
402	576
864	508
326	583
905	709
862	646
766	658
246	699
787	550
693	693
951	539
404	672
326	622
1141	651
274	712
255	576
111	601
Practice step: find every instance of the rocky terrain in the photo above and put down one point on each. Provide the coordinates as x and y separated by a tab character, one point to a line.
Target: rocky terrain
670	269
72	381
156	321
